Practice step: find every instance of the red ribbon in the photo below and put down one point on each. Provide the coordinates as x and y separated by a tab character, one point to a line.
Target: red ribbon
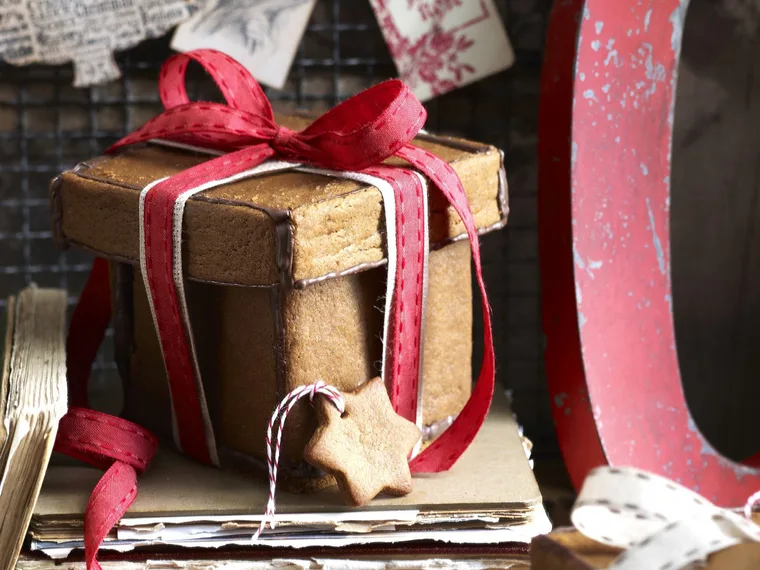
122	448
357	135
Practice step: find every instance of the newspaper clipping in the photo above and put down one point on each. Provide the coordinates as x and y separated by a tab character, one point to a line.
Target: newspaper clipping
86	32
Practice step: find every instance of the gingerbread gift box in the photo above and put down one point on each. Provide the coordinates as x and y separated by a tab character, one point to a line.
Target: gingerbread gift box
281	252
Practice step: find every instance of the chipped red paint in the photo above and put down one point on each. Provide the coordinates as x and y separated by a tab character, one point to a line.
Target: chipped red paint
605	135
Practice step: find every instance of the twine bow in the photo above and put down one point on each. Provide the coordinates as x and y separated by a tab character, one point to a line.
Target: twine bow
661	524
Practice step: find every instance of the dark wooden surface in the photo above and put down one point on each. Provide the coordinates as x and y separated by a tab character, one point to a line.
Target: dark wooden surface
567	549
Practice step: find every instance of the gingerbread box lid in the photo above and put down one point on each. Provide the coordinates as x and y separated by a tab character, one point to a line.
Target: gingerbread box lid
286	227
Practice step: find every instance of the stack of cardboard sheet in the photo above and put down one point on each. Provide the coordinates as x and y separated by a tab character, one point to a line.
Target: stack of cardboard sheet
489	498
420	556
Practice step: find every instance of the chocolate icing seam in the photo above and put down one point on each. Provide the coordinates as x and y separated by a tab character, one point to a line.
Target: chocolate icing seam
56	213
454	142
301	283
283	246
275	308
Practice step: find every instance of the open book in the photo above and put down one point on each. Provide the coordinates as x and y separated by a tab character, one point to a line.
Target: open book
32	402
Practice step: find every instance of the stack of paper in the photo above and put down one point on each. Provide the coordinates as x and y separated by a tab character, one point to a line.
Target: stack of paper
503	557
32	402
489	497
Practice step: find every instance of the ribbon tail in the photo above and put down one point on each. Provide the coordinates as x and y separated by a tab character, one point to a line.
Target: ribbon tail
123	448
89	323
112	496
99	439
409	296
446	450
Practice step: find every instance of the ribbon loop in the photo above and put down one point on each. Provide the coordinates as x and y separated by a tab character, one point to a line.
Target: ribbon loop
365	129
238	87
101	439
361	132
620	507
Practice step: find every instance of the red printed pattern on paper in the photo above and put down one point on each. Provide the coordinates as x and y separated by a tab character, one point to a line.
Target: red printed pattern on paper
434	58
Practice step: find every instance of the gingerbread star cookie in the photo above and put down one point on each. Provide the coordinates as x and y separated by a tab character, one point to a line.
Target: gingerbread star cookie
366	448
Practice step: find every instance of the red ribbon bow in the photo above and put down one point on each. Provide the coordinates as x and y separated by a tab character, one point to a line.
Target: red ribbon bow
357	135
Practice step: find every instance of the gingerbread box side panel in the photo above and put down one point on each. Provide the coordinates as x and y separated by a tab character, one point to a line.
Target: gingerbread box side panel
334	236
333	331
447	337
234	335
147	393
240	371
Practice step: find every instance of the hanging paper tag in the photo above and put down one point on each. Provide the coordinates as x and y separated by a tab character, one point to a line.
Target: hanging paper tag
439	45
263	35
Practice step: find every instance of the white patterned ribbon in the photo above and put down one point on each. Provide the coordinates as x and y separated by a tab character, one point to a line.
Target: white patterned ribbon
663	525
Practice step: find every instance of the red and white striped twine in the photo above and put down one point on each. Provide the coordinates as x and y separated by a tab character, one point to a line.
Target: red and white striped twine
280	414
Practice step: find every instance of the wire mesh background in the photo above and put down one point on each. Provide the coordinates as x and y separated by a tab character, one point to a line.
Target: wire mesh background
46	126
